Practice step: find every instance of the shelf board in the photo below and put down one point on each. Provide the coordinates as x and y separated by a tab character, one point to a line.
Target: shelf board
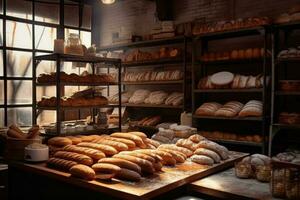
152	106
229	118
233	33
255	90
288	60
146	43
76	84
287	93
78	107
153	82
236	142
288	25
153	62
222	62
287	126
75	58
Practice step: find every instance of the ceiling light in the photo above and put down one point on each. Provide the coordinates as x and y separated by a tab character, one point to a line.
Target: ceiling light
108	1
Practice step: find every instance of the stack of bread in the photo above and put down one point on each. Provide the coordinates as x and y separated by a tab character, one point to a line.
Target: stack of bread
219	135
230	25
139	96
237	54
85	77
290	53
289	118
125	96
164	52
292	15
170	75
227	80
149	121
156	98
231	109
70	101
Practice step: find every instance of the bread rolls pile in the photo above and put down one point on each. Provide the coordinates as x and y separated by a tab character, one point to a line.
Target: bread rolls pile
292	15
67	101
125	96
75	78
149	121
231	109
15	132
218	135
170	75
227	80
290	53
230	25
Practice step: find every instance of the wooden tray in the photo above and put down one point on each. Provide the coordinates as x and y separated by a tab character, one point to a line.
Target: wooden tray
148	187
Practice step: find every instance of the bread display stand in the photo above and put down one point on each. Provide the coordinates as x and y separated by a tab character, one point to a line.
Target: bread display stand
171	179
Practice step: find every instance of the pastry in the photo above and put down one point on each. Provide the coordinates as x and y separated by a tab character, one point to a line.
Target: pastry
83	171
76	157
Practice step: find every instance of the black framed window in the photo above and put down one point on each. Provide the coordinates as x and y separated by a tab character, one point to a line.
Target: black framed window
28	28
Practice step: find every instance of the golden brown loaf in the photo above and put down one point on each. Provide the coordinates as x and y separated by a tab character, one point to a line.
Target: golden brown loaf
83	171
178	156
76	157
183	150
93	153
106	149
122	164
131	144
203	160
220	150
208	109
137	140
119	146
230	109
61	164
209	153
186	143
59	141
75	140
106	168
139	155
128	175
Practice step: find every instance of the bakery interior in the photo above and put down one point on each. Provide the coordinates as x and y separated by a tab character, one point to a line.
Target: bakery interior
149	99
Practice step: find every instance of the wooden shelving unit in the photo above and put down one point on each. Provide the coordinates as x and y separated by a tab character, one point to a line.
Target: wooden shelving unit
204	68
59	59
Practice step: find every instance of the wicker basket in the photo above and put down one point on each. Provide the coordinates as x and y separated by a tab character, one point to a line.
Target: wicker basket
285	180
15	147
243	170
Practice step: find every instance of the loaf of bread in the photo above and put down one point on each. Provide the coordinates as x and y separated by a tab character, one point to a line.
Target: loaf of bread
119	146
75	140
106	149
206	152
183	150
222	79
139	155
186	144
220	150
139	96
252	109
128	175
178	156
105	170
152	142
83	171
196	138
230	109
76	157
61	164
129	143
203	160
33	132
150	153
137	140
208	109
93	153
166	158
59	141
122	163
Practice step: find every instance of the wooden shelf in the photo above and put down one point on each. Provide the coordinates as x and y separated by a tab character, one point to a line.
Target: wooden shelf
288	60
288	25
153	62
152	106
222	62
76	84
236	142
287	126
254	90
229	118
287	93
146	43
77	107
153	82
75	58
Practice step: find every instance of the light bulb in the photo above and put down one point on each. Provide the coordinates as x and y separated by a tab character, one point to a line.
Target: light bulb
108	1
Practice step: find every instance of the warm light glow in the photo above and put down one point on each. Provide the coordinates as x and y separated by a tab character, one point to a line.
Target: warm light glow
108	1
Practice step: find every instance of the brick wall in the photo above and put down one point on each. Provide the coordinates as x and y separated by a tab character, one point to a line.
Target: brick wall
138	16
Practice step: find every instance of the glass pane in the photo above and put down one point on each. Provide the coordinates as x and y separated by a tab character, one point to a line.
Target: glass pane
1	92
19	92
1	32
87	17
45	66
42	13
86	38
1	117
19	8
44	37
19	64
49	91
19	116
46	117
72	15
18	35
68	31
1	6
1	62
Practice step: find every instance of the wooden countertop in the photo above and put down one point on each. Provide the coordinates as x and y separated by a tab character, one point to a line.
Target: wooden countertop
226	185
149	187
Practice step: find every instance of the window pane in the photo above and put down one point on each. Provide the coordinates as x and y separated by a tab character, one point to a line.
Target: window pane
45	66
1	32
18	35
1	7
69	31
87	17
19	8
1	62
72	15
19	116
86	38
46	117
1	117
42	13
19	92
1	92
44	37
49	91
19	64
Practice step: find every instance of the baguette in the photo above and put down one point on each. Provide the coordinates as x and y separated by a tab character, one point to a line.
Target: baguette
119	146
14	134
83	171
17	130
76	157
183	150
203	160
75	140
61	164
137	140
167	158
105	170
145	165
206	152
33	132
140	134
186	144
59	141
122	164
129	143
176	155
128	175
138	155
152	142
220	150
106	149
150	153
93	153
85	138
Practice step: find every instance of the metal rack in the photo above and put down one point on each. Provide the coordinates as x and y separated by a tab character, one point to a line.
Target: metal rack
60	59
199	96
281	36
183	59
